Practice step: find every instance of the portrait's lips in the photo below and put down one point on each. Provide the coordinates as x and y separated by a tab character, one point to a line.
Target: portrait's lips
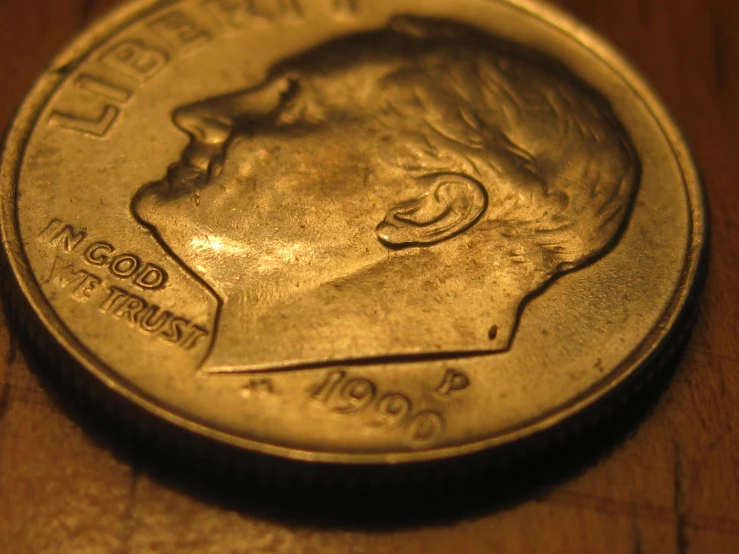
183	178
146	201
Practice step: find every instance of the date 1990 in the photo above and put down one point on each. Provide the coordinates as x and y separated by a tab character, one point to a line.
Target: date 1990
386	409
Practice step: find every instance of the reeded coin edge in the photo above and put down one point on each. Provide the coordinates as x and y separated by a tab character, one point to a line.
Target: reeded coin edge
39	310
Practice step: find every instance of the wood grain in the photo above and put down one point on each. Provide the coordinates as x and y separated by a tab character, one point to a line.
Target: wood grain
670	486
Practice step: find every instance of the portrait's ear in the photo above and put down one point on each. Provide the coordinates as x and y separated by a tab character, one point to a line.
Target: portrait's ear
451	204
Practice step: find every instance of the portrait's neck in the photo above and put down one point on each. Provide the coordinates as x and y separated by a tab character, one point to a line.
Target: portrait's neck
404	307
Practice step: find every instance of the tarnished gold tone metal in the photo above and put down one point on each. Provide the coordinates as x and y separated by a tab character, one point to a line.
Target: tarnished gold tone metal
352	231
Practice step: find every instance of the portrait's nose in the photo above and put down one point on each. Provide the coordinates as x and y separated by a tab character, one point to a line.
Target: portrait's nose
211	121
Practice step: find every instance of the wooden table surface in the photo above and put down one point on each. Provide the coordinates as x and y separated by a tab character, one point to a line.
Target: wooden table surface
667	483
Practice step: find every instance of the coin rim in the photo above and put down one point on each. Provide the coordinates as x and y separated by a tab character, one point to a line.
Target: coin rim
26	119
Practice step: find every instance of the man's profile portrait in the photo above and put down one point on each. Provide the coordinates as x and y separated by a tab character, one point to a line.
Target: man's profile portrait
397	194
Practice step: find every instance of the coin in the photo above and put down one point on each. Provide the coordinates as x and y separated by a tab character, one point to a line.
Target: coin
352	232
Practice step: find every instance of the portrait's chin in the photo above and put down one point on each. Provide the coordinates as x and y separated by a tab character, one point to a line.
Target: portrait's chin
146	203
157	211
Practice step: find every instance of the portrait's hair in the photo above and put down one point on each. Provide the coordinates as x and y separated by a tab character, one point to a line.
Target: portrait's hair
448	98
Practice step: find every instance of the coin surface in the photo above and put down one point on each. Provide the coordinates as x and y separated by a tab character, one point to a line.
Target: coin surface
352	232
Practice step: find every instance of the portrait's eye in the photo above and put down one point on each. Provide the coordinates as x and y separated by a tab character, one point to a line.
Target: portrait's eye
291	113
292	103
527	164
